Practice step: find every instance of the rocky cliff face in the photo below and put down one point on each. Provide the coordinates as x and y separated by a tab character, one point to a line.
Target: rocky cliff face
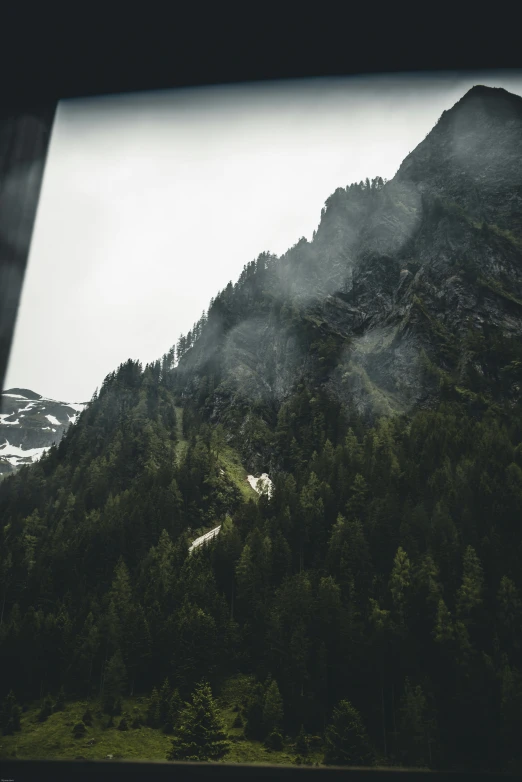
29	425
402	282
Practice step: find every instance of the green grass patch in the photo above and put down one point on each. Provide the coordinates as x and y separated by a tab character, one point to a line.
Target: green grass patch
230	462
181	445
505	234
496	287
54	737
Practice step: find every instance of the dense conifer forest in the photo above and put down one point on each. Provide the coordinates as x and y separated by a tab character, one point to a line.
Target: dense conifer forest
383	571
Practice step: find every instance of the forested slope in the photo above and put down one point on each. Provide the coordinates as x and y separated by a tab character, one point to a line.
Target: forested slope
375	374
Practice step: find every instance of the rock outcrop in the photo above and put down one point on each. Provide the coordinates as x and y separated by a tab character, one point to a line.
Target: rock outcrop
397	278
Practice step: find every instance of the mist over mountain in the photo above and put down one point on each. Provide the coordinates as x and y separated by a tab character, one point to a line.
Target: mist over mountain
312	501
393	294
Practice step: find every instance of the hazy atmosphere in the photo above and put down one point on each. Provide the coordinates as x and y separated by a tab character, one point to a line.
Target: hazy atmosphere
151	203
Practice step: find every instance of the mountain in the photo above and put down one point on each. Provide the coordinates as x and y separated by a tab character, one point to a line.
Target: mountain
396	293
312	501
29	425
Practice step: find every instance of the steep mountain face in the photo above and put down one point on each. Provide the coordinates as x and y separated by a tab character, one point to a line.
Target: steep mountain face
29	425
408	286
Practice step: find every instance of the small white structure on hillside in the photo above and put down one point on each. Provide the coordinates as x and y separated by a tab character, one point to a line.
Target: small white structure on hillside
204	539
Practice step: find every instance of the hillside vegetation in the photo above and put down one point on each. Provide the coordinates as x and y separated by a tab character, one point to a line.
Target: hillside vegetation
367	611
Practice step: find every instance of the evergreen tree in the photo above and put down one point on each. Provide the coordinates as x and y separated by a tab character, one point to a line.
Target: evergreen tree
60	700
510	713
273	708
79	730
444	631
164	701
114	684
346	741
301	742
200	734
154	710
46	709
175	705
357	503
400	582
469	595
415	730
510	613
10	715
124	723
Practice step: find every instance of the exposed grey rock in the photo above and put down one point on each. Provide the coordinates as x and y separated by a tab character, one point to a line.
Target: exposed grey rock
29	423
395	274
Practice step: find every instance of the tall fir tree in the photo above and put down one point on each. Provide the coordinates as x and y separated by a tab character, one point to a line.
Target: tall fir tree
200	734
346	740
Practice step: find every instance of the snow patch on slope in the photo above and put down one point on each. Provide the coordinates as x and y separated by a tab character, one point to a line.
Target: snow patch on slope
53	420
77	406
29	407
3	416
15	455
261	484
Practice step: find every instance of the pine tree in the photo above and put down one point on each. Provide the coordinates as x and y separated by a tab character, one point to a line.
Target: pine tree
138	642
79	730
254	728
174	707
114	684
346	741
400	582
153	710
323	681
164	697
510	613
200	734
414	729
510	711
10	715
46	709
60	700
444	631
273	708
87	646
357	503
469	595
301	742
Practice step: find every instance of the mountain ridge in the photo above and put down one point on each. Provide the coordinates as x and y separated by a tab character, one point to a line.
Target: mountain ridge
411	266
26	441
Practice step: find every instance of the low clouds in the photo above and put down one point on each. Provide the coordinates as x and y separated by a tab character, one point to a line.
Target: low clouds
151	203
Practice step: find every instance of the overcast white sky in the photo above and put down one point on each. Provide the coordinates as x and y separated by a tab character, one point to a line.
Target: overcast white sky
151	203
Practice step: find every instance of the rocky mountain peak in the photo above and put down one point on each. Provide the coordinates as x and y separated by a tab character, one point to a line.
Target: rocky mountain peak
378	308
473	158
